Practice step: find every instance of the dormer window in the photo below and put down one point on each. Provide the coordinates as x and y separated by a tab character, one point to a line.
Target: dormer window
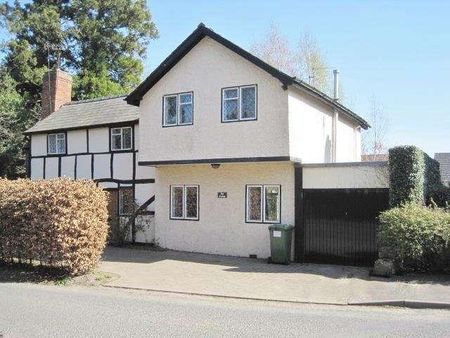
178	109
121	138
239	103
56	144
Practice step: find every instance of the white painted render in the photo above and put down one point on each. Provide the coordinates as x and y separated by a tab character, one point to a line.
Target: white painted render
67	166
39	145
310	128
221	228
37	168
76	141
98	140
205	70
347	141
84	167
289	122
341	176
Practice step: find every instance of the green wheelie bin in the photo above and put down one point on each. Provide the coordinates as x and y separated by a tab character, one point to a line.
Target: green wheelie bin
280	243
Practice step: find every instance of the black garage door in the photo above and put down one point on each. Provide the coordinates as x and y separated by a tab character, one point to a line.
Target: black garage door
339	225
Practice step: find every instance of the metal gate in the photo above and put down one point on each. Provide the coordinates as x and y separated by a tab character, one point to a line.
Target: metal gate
338	226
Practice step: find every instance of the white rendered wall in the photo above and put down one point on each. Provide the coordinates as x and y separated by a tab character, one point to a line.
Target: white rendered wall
37	168
39	145
310	128
76	141
102	166
347	143
98	140
221	228
205	70
67	166
51	167
123	166
343	176
84	167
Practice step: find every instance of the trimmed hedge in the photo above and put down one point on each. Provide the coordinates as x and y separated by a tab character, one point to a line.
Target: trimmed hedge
60	223
440	196
413	176
416	237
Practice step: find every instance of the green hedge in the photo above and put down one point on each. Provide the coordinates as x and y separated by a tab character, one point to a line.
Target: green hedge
417	237
413	176
441	196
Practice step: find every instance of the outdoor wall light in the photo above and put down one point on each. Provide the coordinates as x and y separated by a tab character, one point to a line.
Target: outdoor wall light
215	165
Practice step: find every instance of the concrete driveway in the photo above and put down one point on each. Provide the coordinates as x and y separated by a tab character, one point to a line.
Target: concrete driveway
173	271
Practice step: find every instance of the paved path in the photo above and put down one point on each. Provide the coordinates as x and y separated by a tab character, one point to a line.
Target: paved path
251	278
44	311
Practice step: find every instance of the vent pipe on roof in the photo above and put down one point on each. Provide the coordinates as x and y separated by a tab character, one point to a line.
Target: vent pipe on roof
336	84
334	130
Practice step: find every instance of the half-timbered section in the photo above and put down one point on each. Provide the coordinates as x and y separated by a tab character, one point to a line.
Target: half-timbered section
99	140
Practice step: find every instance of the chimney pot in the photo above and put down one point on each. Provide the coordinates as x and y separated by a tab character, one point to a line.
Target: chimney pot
56	91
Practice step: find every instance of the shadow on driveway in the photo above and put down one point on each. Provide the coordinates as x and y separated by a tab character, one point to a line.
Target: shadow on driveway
150	255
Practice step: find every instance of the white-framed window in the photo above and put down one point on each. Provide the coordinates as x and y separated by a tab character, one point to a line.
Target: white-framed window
239	103
178	109
56	143
263	203
121	138
184	202
126	201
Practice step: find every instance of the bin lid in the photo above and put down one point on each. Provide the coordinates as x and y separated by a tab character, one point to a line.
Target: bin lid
281	227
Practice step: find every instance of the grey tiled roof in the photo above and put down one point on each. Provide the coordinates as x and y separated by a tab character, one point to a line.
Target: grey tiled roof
87	113
444	163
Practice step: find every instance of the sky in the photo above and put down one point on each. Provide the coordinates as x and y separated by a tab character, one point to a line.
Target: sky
395	51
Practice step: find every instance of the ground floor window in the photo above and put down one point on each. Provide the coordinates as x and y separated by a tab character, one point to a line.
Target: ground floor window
263	203
184	202
126	201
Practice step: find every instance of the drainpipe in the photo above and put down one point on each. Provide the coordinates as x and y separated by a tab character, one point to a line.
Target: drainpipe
335	116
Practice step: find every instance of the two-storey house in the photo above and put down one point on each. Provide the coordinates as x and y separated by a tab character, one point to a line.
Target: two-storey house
226	143
224	131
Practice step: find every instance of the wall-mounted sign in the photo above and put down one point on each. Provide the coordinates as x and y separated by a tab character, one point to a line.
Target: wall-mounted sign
222	194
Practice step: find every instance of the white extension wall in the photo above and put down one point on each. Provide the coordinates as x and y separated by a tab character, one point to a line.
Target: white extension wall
221	228
360	175
311	131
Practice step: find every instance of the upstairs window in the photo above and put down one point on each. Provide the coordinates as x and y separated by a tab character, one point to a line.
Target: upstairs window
56	144
121	138
178	109
184	202
263	203
239	103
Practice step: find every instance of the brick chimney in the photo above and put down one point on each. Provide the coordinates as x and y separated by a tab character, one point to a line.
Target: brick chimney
56	91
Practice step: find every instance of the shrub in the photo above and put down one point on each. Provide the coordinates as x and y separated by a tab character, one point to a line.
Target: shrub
441	196
418	237
61	223
413	175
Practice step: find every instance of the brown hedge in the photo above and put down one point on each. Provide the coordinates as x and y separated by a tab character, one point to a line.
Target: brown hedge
60	223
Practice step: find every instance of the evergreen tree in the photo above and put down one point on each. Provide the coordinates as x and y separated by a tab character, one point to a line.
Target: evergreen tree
101	42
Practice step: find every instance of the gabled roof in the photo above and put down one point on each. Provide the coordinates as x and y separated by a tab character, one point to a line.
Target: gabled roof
444	164
202	31
88	113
